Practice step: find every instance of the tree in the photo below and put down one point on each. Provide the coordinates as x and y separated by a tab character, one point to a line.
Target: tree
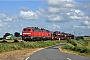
17	34
6	34
1	38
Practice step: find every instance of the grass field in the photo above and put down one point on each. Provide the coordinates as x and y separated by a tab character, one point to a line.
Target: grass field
80	47
87	38
21	45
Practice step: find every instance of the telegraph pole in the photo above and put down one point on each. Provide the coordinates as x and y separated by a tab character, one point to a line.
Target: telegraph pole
74	35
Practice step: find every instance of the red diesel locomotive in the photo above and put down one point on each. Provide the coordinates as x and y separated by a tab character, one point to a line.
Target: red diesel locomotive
35	33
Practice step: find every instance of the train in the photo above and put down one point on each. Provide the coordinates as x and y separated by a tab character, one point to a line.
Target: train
35	33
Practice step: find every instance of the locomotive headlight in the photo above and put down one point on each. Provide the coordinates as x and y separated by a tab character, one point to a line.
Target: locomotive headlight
26	33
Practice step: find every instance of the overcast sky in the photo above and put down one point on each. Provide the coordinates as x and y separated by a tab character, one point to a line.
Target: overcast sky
62	15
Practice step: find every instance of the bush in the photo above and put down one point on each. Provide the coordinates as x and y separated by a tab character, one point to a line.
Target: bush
72	42
17	34
83	42
79	38
68	46
81	49
15	40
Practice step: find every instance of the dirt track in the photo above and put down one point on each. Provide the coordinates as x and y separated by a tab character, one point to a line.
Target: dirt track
18	54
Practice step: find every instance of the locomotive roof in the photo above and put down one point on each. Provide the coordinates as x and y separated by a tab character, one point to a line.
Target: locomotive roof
38	29
31	27
34	28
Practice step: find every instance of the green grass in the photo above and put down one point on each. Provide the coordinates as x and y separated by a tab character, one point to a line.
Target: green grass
21	45
81	46
87	38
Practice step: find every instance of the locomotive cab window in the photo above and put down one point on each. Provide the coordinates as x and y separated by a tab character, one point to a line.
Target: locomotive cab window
29	29
24	29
